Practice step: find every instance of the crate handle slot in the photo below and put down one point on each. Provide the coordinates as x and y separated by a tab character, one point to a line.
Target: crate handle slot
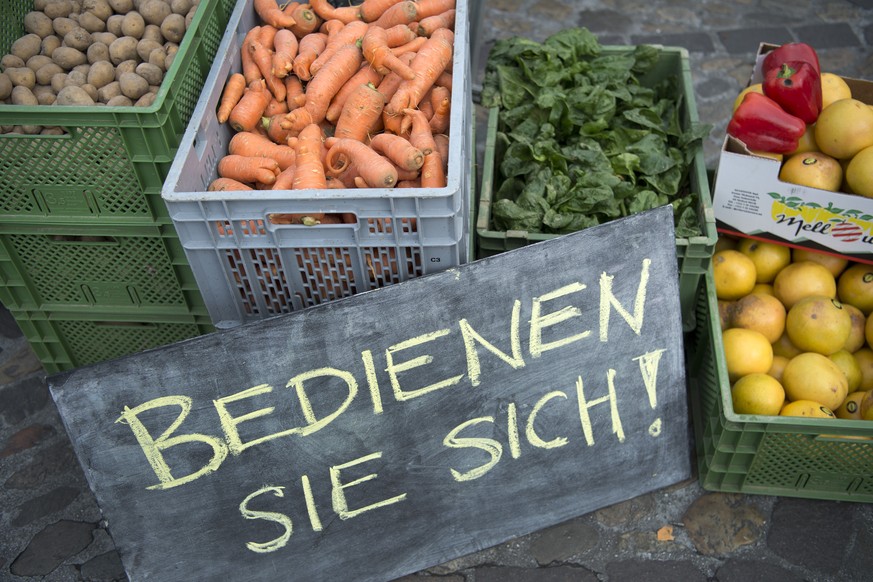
83	239
309	219
841	438
125	324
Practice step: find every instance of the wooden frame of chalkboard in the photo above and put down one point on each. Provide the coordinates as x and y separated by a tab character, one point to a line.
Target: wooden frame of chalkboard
384	433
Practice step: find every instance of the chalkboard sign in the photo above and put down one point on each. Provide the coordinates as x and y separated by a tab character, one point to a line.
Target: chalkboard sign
397	429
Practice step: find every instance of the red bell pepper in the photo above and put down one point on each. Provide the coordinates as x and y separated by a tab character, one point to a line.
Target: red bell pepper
762	124
797	88
792	51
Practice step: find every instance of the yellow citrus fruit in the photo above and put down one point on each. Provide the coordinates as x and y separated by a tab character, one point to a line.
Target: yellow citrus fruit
763	313
832	263
868	331
857	336
812	376
778	366
763	289
784	347
769	258
864	357
724	317
850	409
850	367
725	242
844	128
807	408
855	286
867	406
806	142
818	324
803	279
757	394
833	88
746	352
754	88
859	173
814	170
734	274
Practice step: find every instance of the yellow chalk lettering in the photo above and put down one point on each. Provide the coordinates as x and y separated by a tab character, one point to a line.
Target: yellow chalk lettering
585	405
655	428
649	370
490	446
152	448
607	299
229	422
314	520
338	496
470	335
394	369
372	381
280	518
538	321
512	430
532	436
314	423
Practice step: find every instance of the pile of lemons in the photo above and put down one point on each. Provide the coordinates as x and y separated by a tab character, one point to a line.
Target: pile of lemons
797	330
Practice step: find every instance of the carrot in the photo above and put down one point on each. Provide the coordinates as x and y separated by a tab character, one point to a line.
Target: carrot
269	12
392	80
409	47
284	50
334	182
250	68
233	92
427	25
420	134
398	150
275	107
306	21
273	129
444	80
364	75
442	146
248	169
432	173
328	11
430	61
246	115
309	171
263	58
267	35
331	27
400	13
426	8
375	170
285	179
361	112
294	96
306	219
375	47
308	49
324	85
223	184
440	99
371	10
350	34
416	183
254	145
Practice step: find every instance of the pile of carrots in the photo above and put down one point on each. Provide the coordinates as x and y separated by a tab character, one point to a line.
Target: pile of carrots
340	97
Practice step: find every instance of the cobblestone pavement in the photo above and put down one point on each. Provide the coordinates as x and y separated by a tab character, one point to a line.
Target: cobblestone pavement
50	525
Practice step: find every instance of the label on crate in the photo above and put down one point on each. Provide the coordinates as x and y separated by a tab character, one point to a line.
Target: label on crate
394	430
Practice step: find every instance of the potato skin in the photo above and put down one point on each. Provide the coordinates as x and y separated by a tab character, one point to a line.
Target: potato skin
49	44
26	46
91	22
21	95
133	25
22	76
38	23
122	49
101	74
67	57
133	85
154	11
173	28
73	95
5	86
45	73
78	38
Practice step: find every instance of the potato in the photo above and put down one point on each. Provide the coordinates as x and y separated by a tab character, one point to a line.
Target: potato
153	32
106	38
101	74
44	94
181	6
133	85
58	8
91	22
26	46
113	24
121	6
63	25
168	61
11	61
23	76
40	4
21	95
173	28
98	52
107	92
68	57
76	79
151	73
155	11
91	90
120	101
133	25
36	61
30	129
55	130
146	100
123	49
83	69
73	95
38	23
125	67
45	73
59	81
144	48
49	44
78	38
100	8
5	86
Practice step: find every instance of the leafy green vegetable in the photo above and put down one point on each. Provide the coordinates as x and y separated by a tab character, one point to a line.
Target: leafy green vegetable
584	139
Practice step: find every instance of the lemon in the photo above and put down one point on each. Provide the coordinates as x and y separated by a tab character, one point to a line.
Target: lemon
746	352
763	289
763	313
803	279
812	376
734	274
844	128
864	357
850	409
784	347
818	324
769	258
857	336
859	173
754	88
850	367
757	394
725	242
778	367
832	263
806	142
808	408
814	170
855	287
833	88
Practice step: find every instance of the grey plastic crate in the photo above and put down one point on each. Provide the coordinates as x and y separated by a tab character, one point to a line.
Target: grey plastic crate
247	267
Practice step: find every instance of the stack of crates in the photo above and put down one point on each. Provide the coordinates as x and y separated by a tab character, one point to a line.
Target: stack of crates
249	265
91	266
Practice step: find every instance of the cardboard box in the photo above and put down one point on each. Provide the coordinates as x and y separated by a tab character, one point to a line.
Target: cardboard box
750	200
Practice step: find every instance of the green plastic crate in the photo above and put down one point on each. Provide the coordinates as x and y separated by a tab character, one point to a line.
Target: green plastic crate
63	341
770	455
110	165
694	254
123	268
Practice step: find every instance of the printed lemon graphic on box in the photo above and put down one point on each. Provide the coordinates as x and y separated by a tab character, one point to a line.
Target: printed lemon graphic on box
848	225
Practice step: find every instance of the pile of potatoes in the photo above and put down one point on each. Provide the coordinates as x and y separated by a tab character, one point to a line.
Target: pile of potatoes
92	52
